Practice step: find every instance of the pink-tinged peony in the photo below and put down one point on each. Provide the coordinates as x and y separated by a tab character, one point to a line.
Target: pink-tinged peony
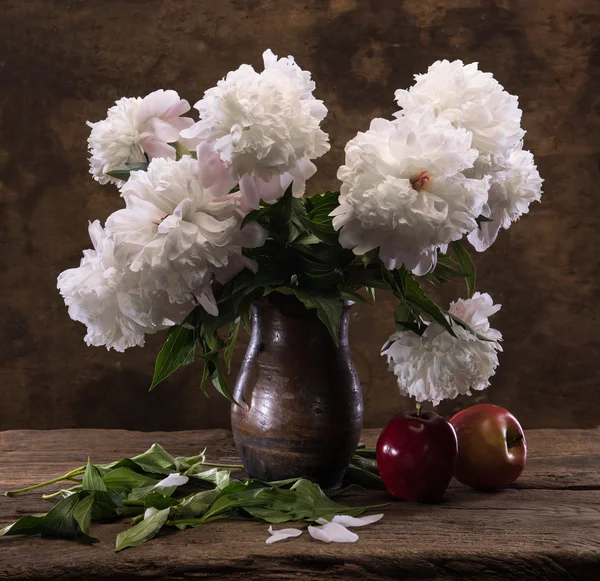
265	126
136	129
176	232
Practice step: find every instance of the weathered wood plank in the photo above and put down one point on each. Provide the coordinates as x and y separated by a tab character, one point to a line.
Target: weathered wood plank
535	532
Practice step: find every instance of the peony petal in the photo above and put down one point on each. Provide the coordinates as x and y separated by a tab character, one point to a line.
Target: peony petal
332	533
350	521
172	480
150	512
282	534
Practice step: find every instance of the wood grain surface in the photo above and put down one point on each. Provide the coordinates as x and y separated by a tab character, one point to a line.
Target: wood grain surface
545	528
63	62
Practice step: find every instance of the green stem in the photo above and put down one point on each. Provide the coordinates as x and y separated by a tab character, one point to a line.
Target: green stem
58	492
133	502
233	466
67	476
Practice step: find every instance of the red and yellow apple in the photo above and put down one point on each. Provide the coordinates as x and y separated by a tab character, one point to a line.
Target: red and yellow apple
492	450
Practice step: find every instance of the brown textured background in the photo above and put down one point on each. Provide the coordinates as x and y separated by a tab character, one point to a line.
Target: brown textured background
64	62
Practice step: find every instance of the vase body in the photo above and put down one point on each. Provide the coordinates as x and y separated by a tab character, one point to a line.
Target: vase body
300	404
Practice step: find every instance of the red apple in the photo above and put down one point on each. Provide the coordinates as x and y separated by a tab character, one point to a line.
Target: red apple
416	456
491	447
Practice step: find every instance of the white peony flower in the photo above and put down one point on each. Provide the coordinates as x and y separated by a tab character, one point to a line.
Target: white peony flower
176	232
470	99
105	295
437	366
135	128
515	183
403	190
264	124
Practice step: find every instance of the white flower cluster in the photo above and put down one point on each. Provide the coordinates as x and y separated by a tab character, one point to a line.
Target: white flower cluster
181	227
265	126
452	154
436	365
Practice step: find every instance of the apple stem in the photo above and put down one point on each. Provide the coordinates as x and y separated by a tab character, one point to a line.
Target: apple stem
514	441
418	410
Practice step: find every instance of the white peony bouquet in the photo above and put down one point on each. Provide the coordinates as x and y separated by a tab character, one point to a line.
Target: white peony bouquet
215	218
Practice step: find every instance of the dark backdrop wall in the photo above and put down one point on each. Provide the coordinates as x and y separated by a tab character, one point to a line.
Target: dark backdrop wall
64	62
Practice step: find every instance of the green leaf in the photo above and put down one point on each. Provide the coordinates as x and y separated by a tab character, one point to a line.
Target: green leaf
219	380
92	480
27	525
197	504
123	171
107	505
220	478
156	460
143	531
127	479
178	350
329	310
350	295
60	521
82	513
230	342
157	500
466	266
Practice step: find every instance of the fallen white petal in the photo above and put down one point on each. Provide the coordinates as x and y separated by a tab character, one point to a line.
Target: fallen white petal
149	512
173	480
282	534
350	521
332	533
322	521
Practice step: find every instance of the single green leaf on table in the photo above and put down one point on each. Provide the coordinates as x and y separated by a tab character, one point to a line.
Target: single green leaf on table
157	500
27	525
466	266
178	350
82	513
219	478
329	310
127	479
92	480
197	504
60	521
143	531
156	460
107	505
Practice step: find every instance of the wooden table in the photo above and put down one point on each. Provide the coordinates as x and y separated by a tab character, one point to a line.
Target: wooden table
546	527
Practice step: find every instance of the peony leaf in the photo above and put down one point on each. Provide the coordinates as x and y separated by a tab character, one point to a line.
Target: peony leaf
329	310
230	342
60	521
127	479
82	513
466	266
27	525
92	480
143	531
123	171
178	350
